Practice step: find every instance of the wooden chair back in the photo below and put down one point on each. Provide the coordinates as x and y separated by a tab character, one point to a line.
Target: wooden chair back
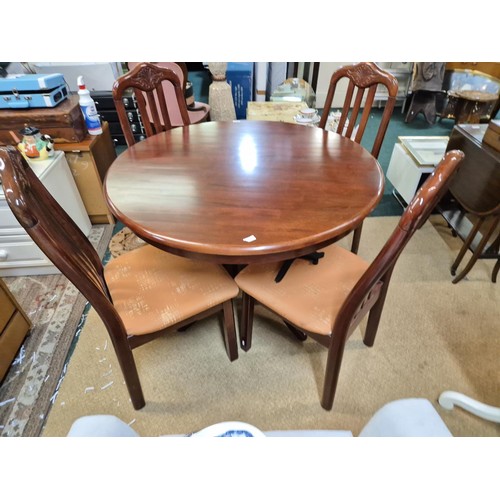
355	288
62	241
146	80
56	234
375	280
362	77
179	68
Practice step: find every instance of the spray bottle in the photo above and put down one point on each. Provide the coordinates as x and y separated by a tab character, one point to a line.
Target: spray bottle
88	109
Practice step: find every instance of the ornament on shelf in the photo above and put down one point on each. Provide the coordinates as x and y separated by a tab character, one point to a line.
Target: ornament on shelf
220	97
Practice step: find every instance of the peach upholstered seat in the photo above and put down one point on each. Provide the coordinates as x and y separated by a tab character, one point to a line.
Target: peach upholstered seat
327	301
152	289
139	295
309	296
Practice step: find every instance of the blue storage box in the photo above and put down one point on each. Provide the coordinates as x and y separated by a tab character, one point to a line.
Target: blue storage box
32	91
240	76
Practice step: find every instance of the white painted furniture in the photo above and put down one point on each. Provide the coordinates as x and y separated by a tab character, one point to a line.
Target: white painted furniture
410	417
449	399
412	160
19	256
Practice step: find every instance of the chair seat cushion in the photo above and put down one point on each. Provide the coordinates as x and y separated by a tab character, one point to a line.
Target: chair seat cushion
309	296
152	289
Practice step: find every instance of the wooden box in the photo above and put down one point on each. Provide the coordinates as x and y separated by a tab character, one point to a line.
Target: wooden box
89	161
492	135
64	123
14	326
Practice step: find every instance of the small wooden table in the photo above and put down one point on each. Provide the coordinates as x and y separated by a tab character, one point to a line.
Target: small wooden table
470	106
476	188
243	191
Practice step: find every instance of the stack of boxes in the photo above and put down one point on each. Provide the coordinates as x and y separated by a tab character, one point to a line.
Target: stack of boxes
107	111
240	76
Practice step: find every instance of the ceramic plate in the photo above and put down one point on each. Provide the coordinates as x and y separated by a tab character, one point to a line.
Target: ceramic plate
302	119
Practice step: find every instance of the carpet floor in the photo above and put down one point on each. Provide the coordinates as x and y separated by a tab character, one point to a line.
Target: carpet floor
434	336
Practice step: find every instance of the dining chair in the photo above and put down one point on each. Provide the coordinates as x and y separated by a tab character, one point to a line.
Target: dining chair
146	81
328	301
139	295
360	78
198	111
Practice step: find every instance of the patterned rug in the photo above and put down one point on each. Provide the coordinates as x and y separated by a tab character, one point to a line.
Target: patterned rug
55	308
124	241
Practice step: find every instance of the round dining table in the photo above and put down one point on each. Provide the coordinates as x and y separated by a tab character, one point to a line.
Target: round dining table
243	192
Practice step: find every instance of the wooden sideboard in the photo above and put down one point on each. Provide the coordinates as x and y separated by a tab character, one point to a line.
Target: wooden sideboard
89	161
14	326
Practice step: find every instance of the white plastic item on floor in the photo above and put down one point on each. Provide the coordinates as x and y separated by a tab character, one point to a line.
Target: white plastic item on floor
449	399
413	417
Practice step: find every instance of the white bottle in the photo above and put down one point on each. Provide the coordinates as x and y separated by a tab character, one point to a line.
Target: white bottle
88	109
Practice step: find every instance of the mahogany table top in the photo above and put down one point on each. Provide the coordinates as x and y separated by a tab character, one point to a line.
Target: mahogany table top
243	191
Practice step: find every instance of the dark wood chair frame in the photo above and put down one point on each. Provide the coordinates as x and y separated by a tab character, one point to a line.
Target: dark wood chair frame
184	69
364	76
57	235
369	293
146	81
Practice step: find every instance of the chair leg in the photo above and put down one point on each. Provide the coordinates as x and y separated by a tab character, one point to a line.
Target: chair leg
494	274
300	335
376	313
129	370
355	239
334	361
229	330
185	327
248	305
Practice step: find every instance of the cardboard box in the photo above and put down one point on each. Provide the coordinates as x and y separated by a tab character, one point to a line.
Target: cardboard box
240	76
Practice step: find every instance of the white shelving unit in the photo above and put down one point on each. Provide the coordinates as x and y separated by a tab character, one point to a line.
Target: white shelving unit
403	72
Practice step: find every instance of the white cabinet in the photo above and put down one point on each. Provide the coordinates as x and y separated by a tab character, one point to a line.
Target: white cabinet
326	70
19	255
412	160
403	72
